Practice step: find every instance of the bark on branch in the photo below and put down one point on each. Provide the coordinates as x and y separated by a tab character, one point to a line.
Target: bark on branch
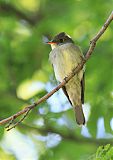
75	71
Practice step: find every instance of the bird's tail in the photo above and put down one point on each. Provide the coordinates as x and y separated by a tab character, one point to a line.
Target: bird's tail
80	119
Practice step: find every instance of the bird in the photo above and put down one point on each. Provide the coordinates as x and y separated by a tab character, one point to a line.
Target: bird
64	57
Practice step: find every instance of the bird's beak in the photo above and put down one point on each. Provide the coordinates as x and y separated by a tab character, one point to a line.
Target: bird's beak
51	42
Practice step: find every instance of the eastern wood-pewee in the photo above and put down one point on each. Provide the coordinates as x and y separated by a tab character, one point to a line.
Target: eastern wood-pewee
65	56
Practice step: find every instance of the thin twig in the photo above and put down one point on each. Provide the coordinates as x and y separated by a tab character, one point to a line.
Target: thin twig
75	71
12	120
25	115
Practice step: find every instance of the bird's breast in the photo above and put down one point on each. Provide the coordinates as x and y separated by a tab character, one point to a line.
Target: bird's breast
63	60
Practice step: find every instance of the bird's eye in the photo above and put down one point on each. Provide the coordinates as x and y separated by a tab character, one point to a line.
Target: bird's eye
61	40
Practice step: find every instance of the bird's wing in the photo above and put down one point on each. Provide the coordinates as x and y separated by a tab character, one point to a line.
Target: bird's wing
65	92
82	88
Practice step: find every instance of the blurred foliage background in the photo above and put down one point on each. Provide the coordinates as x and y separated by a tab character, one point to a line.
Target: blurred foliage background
50	131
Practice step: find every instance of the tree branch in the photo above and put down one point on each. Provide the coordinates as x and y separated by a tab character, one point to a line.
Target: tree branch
66	79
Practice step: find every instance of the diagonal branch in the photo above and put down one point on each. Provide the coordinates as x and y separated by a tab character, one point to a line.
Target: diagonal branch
66	79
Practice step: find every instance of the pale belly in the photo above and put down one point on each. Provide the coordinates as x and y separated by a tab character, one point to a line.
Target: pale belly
63	66
63	62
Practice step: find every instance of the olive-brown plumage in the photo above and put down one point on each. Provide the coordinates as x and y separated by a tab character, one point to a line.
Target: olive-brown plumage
65	56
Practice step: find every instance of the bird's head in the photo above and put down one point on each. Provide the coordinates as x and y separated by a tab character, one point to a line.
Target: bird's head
60	39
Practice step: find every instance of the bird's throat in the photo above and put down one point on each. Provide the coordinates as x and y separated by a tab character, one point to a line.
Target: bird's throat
53	46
